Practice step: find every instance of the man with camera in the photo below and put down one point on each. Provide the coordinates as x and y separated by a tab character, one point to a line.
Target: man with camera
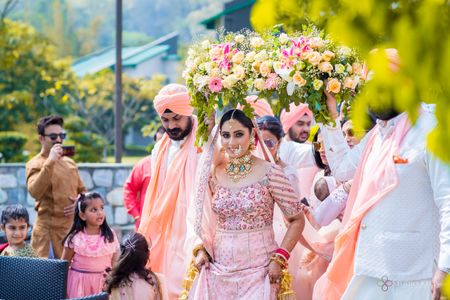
54	182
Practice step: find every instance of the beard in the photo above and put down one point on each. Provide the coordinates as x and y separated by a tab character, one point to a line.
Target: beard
178	134
296	138
384	114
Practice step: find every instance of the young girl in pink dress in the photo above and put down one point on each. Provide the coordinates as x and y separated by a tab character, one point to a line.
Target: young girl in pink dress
91	247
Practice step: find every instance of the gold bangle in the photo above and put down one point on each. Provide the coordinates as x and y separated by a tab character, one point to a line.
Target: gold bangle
281	262
197	249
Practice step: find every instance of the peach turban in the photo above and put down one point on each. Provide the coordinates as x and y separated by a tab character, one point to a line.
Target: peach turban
174	97
288	119
261	106
393	60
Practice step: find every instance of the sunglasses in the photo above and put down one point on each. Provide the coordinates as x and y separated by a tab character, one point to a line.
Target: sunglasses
318	146
270	143
54	136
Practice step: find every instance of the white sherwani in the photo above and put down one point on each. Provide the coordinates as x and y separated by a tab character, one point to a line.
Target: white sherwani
406	236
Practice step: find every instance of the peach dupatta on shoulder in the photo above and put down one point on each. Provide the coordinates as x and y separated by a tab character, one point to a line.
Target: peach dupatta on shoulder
169	187
365	193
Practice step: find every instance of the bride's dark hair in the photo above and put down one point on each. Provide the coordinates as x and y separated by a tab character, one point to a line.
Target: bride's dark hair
238	115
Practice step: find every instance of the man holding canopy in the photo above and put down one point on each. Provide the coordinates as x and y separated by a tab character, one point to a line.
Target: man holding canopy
173	163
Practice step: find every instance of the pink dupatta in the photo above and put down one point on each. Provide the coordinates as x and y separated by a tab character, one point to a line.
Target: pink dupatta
164	194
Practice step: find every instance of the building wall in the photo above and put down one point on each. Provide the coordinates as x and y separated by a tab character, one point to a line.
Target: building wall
107	179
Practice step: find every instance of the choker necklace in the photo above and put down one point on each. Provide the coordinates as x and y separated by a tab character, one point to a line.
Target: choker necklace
240	167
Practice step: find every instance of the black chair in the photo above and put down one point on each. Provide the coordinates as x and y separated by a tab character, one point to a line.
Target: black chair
101	296
32	278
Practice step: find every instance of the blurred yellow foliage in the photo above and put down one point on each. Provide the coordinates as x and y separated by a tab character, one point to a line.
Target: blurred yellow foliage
418	29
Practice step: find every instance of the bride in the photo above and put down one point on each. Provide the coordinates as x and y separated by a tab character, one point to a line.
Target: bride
236	251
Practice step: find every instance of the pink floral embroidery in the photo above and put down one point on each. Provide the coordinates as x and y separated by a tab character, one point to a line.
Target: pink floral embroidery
251	207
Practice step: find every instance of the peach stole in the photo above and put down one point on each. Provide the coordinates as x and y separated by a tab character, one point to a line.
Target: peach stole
169	187
365	193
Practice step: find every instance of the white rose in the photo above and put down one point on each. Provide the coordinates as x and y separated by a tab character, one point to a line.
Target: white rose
266	68
197	61
229	81
284	38
259	84
239	38
191	52
201	81
256	42
339	68
206	44
250	57
345	51
239	72
261	56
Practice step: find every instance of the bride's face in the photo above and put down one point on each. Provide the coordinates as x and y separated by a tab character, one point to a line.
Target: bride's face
235	138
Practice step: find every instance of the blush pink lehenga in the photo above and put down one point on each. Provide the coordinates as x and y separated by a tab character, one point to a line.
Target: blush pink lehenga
244	239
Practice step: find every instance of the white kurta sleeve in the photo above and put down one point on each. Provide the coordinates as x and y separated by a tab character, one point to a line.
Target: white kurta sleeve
342	160
439	174
331	207
297	155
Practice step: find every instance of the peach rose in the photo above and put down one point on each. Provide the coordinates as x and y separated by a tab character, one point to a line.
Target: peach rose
325	67
298	79
333	86
215	72
348	82
357	68
238	57
215	53
314	58
256	66
327	55
316	42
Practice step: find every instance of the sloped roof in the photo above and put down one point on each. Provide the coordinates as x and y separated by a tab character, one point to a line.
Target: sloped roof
209	22
131	56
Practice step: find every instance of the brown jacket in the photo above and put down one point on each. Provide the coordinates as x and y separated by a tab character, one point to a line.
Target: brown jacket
51	183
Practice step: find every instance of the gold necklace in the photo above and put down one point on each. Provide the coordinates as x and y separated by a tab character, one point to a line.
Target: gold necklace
240	167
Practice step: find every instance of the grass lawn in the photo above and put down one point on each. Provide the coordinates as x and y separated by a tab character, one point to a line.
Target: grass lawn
131	160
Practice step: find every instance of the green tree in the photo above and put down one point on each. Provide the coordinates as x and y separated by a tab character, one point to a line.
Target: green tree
88	145
33	81
418	29
94	102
